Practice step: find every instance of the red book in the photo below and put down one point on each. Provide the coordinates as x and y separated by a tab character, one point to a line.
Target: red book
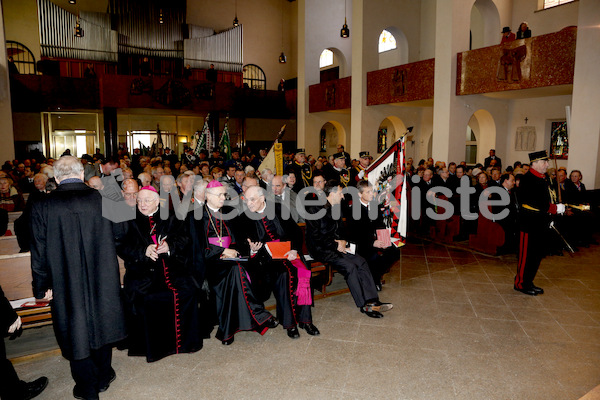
277	250
384	236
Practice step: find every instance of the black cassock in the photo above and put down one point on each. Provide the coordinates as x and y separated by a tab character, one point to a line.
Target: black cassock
161	296
237	307
279	276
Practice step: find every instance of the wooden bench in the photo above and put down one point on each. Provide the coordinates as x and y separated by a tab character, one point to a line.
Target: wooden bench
489	236
15	275
9	245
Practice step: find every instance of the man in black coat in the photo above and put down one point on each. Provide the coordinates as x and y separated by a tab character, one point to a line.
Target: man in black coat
10	385
363	232
488	160
288	277
326	240
73	260
535	208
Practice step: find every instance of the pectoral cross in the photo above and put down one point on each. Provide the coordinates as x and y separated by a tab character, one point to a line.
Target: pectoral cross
220	241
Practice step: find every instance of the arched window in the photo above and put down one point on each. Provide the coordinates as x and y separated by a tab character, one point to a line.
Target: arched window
387	41
254	77
326	58
22	57
471	149
554	3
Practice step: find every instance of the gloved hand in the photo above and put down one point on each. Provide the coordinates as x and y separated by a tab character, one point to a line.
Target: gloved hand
361	174
560	208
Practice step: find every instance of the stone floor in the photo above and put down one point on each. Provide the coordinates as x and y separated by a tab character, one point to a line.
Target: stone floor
458	331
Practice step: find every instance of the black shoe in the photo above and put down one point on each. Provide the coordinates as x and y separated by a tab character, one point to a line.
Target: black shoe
537	290
381	307
272	323
370	312
111	378
293	333
309	328
228	341
34	388
528	291
82	396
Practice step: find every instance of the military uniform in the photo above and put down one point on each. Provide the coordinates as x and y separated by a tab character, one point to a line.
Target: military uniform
303	173
355	173
535	208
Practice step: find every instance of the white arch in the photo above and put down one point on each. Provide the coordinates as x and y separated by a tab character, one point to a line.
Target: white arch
335	138
485	24
486	134
338	60
399	55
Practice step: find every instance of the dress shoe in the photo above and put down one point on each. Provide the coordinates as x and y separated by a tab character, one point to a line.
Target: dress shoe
228	341
370	312
309	328
272	323
381	307
111	378
528	291
537	290
34	388
78	395
293	333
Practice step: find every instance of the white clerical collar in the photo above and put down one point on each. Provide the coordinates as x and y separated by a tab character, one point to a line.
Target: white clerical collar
262	210
215	210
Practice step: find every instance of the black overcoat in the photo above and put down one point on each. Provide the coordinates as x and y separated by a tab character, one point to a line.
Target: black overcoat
73	253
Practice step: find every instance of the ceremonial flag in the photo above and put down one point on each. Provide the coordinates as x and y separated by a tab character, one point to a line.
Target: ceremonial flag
204	139
159	142
224	143
274	158
386	175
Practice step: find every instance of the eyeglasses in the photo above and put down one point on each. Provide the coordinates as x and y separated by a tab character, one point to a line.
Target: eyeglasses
146	202
224	195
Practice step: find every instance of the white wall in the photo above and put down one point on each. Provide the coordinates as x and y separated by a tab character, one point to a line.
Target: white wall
21	24
546	21
538	111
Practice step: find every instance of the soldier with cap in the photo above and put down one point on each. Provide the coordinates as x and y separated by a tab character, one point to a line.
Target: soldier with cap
535	209
358	173
338	172
302	170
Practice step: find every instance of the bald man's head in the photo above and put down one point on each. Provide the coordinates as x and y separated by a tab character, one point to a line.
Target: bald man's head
96	183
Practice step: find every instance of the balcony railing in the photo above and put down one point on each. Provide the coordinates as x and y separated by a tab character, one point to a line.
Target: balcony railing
403	83
330	95
541	61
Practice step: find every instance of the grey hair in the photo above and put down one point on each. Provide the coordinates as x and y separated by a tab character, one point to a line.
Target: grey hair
67	167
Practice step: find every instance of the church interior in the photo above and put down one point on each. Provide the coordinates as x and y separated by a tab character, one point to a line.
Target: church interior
108	74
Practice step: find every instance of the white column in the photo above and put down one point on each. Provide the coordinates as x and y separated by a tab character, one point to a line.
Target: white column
450	115
584	132
7	150
302	99
358	79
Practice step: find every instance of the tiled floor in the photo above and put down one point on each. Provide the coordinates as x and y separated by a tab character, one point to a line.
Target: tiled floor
458	331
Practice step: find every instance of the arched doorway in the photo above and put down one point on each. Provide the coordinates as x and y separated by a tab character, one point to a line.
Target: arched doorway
392	47
390	130
332	134
332	64
485	24
480	136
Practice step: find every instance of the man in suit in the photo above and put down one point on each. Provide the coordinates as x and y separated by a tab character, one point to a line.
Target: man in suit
488	160
326	240
363	232
106	166
283	195
73	260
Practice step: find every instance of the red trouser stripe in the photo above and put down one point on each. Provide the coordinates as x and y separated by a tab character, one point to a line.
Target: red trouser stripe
524	239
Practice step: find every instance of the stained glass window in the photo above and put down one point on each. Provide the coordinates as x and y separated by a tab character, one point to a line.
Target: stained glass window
326	58
559	140
387	41
554	3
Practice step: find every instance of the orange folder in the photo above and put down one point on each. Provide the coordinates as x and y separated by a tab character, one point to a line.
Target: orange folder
277	250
